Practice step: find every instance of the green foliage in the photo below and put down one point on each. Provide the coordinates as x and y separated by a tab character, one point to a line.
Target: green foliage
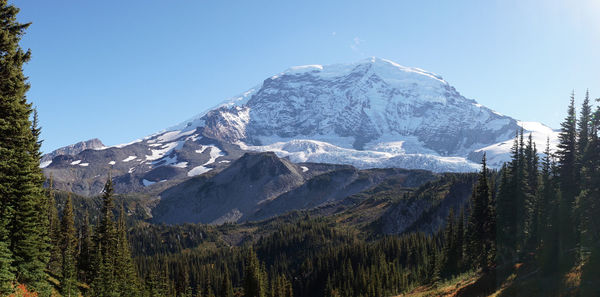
569	183
113	271
23	221
254	284
481	225
54	263
86	252
126	276
68	244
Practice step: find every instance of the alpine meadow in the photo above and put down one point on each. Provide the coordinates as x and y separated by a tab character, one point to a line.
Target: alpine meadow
347	179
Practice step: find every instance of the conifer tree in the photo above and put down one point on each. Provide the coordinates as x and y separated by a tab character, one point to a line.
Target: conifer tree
505	218
531	204
460	240
478	225
86	252
226	289
587	202
569	184
449	258
126	276
23	244
548	216
507	204
68	283
54	263
104	283
254	281
584	125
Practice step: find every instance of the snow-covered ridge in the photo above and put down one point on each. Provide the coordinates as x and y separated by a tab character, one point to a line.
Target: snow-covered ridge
388	69
301	150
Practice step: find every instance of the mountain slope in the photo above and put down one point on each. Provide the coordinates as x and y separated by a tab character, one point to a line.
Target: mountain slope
370	114
261	185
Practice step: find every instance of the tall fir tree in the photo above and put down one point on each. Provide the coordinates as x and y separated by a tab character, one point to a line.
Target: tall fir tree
68	243
54	263
23	240
126	276
479	233
569	183
531	204
254	279
86	251
584	125
104	283
460	240
548	216
449	258
507	219
587	202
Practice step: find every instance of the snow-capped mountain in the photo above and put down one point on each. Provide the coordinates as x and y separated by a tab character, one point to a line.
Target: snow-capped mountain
370	114
374	113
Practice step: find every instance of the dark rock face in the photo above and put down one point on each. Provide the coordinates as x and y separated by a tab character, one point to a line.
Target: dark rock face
261	185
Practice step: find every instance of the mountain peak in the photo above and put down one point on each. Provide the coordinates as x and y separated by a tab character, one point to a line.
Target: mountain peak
72	149
380	66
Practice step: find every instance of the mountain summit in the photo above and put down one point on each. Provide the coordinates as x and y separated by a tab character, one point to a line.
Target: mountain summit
371	114
374	113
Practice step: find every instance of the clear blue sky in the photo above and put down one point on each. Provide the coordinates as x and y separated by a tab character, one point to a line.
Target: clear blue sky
120	70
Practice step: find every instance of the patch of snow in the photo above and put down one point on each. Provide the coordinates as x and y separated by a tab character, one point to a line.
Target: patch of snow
536	127
173	135
215	153
163	151
198	170
75	162
45	164
181	165
168	160
121	145
84	164
131	170
147	182
225	161
130	158
304	168
193	137
201	150
112	163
